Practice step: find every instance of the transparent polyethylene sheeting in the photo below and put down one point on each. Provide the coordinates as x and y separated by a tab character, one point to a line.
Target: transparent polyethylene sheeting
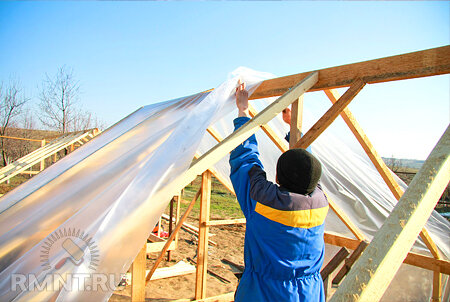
111	192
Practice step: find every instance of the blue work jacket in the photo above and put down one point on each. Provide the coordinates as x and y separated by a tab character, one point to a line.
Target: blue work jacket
284	245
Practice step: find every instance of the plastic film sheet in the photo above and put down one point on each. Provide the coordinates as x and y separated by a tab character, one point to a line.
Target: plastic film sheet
107	196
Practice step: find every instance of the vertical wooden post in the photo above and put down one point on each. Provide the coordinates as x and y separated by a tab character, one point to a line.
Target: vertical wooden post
138	275
437	287
43	160
296	121
72	147
177	217
54	157
202	251
170	224
158	233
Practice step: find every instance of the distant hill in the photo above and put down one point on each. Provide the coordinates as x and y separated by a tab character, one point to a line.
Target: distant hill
404	163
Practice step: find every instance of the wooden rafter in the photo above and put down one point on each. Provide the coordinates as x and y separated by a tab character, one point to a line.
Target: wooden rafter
328	118
412	65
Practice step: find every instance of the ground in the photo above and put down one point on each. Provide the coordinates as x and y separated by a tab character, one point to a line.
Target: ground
230	246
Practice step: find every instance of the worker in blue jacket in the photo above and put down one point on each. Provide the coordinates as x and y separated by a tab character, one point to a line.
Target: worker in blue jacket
284	245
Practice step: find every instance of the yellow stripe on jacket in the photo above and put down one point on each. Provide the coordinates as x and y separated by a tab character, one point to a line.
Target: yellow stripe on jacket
299	219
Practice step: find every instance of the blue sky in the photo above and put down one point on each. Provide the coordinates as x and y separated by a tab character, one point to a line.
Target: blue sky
130	54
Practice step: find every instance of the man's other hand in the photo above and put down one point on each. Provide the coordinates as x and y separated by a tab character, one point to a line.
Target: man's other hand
287	116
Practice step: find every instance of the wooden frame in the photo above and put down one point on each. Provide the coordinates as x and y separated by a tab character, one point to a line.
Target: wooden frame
413	65
46	150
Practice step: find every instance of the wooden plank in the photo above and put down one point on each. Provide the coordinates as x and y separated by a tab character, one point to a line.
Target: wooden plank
214	134
42	166
138	276
279	142
429	263
21	138
329	116
350	261
296	122
418	64
378	162
225	222
211	272
179	269
192	230
334	263
172	236
154	238
373	272
202	249
156	247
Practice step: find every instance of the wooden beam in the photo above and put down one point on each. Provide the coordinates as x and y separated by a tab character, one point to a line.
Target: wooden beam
156	247
42	167
334	263
418	64
225	222
21	138
329	116
429	263
202	249
378	162
172	237
372	273
296	122
350	261
138	276
214	134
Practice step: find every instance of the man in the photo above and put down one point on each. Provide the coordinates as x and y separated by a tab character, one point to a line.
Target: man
284	245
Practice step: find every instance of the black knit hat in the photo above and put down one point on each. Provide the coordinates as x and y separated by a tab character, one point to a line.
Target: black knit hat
298	171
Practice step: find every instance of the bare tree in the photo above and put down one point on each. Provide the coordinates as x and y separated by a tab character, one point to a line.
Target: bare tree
394	164
11	105
59	104
59	97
